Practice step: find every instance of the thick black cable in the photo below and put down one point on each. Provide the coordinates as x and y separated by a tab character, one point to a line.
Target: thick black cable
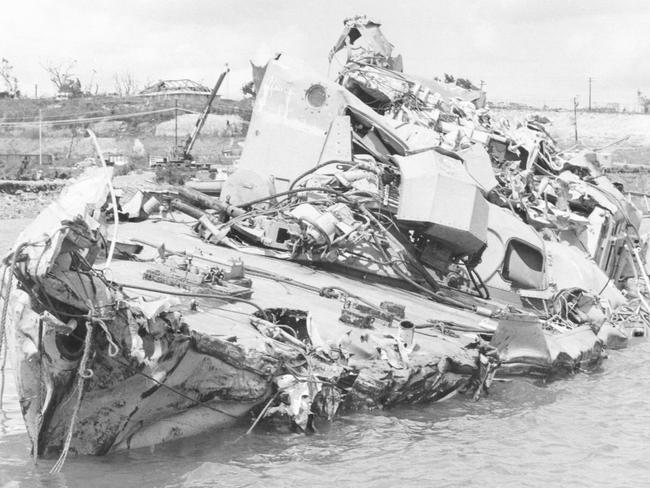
316	168
293	192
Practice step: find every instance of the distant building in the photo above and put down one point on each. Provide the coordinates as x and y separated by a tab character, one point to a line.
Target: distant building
181	90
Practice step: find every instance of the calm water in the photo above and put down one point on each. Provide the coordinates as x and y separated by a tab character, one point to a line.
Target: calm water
590	430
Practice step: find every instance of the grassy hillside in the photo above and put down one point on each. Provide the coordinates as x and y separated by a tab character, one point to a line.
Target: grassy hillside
137	137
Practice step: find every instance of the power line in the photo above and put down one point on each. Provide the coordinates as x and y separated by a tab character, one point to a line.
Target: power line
55	117
575	117
34	123
217	104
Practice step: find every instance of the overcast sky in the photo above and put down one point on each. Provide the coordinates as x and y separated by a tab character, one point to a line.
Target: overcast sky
525	50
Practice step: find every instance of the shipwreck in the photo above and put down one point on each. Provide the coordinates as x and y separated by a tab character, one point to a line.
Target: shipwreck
383	241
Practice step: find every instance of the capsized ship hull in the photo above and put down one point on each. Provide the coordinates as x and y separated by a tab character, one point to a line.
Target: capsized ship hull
107	359
114	367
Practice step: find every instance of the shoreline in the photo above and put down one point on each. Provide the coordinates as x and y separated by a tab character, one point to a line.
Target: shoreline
25	205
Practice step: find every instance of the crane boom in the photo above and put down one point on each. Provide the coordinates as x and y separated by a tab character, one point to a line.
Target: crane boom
191	139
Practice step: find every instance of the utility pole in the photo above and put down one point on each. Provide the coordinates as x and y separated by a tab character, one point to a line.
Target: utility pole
35	90
575	116
175	126
482	85
40	137
590	93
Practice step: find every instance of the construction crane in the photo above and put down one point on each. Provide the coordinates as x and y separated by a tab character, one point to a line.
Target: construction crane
182	154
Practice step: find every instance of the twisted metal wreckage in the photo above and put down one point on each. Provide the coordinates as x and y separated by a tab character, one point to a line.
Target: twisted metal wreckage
401	246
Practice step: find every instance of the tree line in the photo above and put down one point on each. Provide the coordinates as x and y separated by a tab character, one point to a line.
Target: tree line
64	78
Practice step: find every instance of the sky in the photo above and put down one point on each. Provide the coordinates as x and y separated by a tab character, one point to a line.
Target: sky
531	51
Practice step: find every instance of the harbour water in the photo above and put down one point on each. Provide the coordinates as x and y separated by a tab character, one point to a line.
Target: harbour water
590	430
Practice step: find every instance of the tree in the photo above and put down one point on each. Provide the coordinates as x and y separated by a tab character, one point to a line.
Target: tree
61	75
248	89
10	81
125	84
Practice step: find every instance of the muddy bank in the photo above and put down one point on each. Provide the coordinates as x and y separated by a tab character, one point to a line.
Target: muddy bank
26	199
24	205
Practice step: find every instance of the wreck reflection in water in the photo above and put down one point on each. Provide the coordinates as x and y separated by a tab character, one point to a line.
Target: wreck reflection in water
546	432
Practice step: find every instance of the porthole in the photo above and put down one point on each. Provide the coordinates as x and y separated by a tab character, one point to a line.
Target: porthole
316	96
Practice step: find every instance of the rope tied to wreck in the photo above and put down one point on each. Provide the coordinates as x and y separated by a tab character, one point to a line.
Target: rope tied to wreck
5	292
113	348
83	373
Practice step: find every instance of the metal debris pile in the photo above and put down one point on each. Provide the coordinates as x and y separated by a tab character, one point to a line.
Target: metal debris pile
98	364
434	136
384	241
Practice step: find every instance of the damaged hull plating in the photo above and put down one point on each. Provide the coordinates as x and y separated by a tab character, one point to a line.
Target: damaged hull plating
153	368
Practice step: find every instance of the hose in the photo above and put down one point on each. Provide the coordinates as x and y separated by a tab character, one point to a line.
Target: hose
294	191
316	168
480	286
431	293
